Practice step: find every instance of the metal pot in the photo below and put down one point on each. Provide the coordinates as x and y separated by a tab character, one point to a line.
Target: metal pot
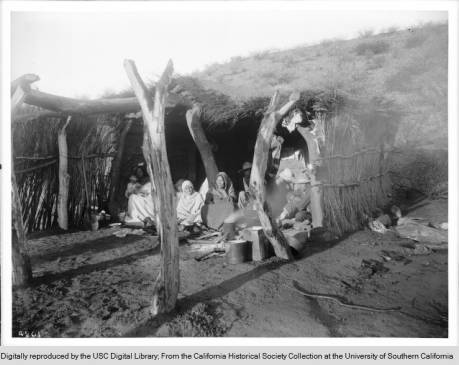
239	251
94	226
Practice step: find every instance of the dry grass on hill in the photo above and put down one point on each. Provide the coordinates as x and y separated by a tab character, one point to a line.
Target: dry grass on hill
407	66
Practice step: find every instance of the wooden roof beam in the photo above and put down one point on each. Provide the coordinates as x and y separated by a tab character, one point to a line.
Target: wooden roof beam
68	106
77	106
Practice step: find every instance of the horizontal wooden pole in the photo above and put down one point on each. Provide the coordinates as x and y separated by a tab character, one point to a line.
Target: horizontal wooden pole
39	158
78	106
354	154
37	115
352	184
49	163
35	158
67	105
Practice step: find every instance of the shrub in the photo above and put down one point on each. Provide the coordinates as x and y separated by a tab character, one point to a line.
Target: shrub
372	48
270	75
366	33
377	62
260	55
285	78
415	40
391	30
402	80
236	59
289	60
419	169
327	42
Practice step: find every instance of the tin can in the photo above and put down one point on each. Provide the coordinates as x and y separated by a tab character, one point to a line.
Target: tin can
239	251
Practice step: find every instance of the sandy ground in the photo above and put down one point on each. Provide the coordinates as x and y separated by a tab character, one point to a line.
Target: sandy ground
92	284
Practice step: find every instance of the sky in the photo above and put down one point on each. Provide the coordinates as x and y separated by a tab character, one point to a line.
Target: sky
80	54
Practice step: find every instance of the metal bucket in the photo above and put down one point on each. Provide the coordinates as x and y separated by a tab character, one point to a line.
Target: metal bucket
94	226
239	251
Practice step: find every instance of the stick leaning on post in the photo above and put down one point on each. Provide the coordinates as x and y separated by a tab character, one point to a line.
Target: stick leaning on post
259	167
154	149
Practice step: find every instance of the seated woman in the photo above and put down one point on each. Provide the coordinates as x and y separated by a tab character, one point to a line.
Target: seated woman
132	186
189	205
220	202
140	201
178	189
244	199
223	191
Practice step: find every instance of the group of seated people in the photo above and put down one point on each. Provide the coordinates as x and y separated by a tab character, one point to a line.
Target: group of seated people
217	204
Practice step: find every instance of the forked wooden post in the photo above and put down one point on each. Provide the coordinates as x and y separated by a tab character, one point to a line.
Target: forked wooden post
24	82
317	210
63	196
17	99
167	283
259	167
193	119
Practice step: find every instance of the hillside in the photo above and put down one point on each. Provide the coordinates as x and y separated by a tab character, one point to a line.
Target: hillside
409	67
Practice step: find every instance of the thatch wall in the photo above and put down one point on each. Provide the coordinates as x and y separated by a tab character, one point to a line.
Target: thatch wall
354	169
35	156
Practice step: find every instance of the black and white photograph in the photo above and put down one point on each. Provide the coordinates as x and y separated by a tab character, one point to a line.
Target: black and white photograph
228	169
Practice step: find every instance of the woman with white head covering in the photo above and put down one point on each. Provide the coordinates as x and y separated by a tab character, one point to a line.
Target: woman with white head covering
223	190
140	200
189	205
219	202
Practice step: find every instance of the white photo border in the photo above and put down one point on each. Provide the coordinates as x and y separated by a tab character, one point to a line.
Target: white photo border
7	7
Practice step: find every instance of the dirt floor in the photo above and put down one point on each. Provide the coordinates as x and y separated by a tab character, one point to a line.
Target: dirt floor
93	284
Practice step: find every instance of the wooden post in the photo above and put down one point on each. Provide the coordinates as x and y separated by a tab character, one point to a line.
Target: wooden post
115	172
22	270
24	81
17	99
167	283
193	119
63	196
317	210
259	167
275	156
261	248
20	88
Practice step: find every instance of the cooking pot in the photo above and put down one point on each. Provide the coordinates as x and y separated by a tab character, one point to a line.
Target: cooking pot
238	251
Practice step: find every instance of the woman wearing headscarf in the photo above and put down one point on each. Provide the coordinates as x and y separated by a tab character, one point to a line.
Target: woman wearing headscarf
140	201
178	189
223	190
189	205
244	199
220	202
